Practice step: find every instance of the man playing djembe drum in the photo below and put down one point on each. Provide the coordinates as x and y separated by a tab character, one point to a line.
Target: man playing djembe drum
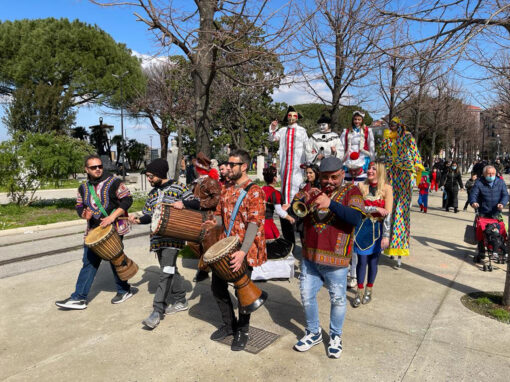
170	296
207	190
248	226
328	229
116	200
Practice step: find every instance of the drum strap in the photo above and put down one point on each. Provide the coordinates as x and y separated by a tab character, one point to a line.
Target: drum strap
242	195
97	200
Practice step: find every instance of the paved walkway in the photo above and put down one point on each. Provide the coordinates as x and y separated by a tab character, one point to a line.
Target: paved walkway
415	329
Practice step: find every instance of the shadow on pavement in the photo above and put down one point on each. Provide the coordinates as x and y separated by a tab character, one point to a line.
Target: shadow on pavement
455	250
452	284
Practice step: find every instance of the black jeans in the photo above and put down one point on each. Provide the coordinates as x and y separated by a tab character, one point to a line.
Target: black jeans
219	288
170	289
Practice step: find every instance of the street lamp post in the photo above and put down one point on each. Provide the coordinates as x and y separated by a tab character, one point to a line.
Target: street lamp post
122	156
499	142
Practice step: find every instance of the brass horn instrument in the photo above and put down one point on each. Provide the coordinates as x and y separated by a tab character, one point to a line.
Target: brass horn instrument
301	208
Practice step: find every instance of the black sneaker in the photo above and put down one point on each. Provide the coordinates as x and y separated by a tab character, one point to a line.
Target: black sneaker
221	333
70	303
240	341
121	297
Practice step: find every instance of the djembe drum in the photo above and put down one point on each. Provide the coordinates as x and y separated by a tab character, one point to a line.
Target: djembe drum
182	224
218	258
106	243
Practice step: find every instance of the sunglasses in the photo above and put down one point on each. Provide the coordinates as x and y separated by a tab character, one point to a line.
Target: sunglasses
233	164
98	167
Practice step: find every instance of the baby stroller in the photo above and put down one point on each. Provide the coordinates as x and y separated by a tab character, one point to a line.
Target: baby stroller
491	236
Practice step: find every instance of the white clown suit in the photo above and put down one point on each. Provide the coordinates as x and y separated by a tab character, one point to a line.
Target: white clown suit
293	140
360	141
320	143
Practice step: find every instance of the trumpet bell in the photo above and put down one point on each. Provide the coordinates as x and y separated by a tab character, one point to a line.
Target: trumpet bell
300	209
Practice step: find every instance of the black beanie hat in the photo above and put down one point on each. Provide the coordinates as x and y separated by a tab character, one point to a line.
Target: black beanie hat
158	167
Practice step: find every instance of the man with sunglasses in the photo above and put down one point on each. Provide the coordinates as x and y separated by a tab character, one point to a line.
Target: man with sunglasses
115	200
170	296
327	247
248	226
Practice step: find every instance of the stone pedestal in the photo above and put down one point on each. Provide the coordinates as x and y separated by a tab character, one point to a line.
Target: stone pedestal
260	167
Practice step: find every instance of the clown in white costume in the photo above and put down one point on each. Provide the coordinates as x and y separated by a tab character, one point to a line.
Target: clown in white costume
324	143
357	144
293	140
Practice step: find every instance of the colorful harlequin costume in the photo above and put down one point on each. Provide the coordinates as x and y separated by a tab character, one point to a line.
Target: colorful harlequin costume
403	163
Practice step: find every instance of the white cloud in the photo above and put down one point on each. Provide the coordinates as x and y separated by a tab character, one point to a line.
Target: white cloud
148	60
297	92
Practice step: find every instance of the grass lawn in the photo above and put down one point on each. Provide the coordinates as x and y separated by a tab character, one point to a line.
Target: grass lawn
45	212
69	183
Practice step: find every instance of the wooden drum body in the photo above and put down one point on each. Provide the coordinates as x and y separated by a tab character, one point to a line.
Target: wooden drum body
182	224
218	258
107	244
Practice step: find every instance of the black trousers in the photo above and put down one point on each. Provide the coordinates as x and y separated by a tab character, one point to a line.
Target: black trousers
219	288
170	289
288	230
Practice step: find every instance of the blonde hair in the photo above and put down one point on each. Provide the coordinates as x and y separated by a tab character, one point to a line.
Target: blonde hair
381	181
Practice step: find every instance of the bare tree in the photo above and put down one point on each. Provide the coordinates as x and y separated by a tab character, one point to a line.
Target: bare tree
196	31
450	20
167	101
341	47
393	71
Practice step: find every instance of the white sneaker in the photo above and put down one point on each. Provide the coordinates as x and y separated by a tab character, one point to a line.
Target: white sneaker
310	339
335	346
351	282
69	303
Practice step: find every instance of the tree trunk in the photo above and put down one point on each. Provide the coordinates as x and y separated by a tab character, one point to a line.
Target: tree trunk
506	293
432	148
203	74
163	140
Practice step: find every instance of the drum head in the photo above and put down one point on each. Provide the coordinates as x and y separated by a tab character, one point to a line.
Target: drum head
156	216
97	234
221	248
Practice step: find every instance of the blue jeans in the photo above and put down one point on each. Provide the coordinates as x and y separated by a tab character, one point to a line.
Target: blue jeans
313	276
88	272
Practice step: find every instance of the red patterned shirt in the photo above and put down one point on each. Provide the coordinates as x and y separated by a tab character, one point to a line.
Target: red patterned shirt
252	210
328	240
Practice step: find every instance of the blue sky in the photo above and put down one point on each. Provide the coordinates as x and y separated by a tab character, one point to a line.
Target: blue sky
120	23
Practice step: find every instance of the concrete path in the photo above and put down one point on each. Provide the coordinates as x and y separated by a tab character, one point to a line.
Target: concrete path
415	329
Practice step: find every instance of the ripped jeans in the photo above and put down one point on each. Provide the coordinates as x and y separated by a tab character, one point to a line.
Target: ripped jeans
313	276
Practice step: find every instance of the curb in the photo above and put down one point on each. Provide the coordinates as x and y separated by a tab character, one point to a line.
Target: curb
38	228
47	227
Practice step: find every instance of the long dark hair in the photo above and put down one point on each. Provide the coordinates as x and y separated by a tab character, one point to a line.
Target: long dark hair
456	167
315	169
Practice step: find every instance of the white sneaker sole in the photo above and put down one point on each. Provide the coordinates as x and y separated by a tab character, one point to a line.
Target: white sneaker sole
71	307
